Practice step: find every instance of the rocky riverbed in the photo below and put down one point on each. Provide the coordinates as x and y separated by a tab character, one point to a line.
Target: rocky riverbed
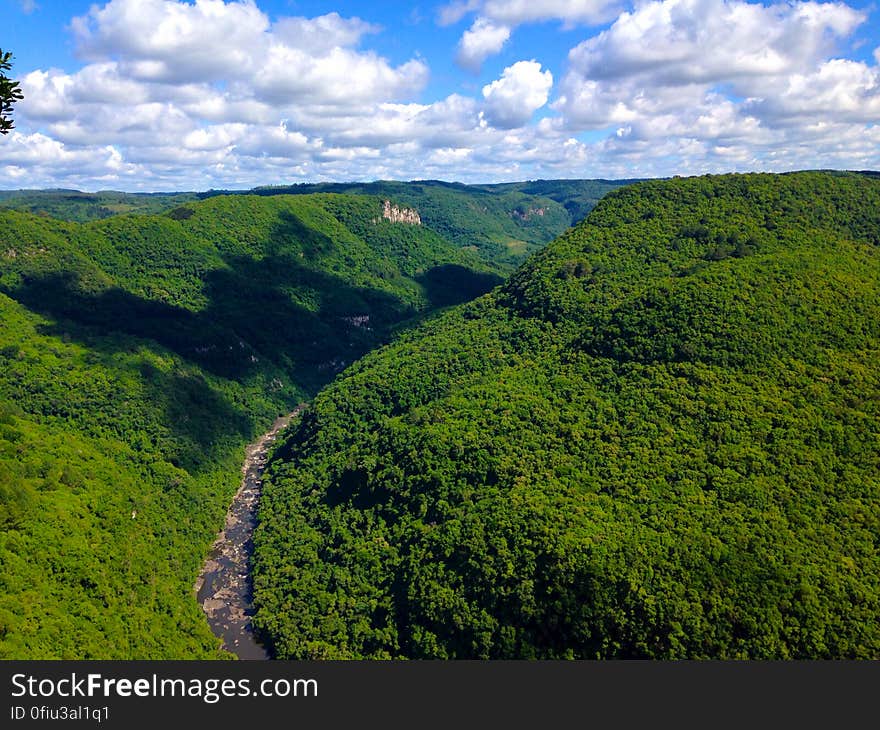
224	588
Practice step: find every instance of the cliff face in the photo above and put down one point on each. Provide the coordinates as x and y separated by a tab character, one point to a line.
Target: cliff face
528	213
400	215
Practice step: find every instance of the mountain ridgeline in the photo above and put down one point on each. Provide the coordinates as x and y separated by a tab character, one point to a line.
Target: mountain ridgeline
658	439
139	354
500	223
80	207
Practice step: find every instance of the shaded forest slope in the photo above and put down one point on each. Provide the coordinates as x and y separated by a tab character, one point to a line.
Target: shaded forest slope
660	438
138	356
501	223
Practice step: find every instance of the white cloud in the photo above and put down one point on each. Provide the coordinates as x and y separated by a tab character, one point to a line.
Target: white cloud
512	100
276	141
723	81
570	12
215	137
518	12
211	105
322	34
342	76
687	41
450	122
839	90
45	160
455	11
178	95
219	83
45	94
101	83
483	39
497	19
165	40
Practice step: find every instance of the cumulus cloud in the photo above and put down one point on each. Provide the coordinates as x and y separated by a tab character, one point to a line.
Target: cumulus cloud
455	11
235	135
101	83
838	90
41	159
512	100
483	39
219	83
341	76
175	95
570	12
322	34
720	80
497	19
517	12
45	94
686	41
166	40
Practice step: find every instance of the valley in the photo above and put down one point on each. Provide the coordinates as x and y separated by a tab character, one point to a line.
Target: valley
139	355
650	433
224	588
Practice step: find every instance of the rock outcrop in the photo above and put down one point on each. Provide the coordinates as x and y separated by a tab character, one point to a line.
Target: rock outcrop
394	214
528	213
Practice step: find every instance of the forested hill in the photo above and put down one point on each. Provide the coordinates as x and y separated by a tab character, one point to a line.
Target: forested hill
79	207
138	355
660	438
501	223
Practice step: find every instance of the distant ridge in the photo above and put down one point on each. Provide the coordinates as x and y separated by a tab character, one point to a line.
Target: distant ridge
487	219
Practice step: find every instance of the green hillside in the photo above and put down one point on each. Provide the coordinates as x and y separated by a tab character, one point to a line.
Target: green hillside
138	355
502	223
73	205
660	438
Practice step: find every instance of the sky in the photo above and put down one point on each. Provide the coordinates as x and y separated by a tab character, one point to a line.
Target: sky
163	95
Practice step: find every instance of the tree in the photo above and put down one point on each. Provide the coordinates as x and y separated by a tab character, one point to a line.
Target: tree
9	93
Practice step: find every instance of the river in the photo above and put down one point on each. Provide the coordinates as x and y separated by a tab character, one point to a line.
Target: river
224	588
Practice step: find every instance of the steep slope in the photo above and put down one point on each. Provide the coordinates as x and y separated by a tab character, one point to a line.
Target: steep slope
658	439
138	356
501	223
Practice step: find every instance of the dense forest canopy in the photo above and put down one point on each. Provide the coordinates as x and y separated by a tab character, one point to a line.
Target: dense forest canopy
659	438
501	223
138	355
79	207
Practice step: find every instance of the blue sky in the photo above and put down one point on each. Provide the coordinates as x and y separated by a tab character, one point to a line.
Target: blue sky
172	95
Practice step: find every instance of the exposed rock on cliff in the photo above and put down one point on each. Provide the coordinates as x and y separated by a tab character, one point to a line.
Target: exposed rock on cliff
525	215
400	215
